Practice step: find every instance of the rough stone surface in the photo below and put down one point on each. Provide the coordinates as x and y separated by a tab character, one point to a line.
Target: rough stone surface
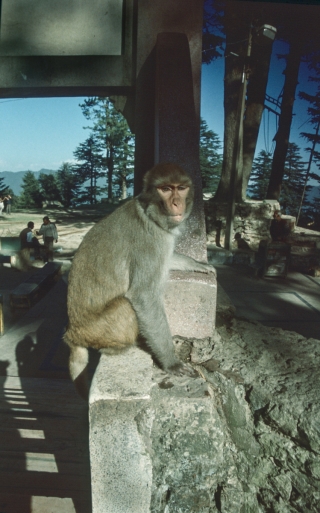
268	383
188	445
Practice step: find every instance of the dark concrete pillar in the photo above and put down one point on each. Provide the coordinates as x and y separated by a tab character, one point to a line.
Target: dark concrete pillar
177	128
154	18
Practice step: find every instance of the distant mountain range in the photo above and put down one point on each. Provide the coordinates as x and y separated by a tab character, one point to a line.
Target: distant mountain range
13	180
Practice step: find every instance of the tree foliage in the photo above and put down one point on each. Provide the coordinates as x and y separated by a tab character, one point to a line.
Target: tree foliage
260	175
49	187
213	38
89	168
210	158
3	188
69	184
293	181
115	141
31	191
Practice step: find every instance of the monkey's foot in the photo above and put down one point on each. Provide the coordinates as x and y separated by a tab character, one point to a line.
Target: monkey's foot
183	369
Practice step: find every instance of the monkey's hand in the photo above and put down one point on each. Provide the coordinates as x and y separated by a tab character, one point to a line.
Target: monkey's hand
206	268
184	263
183	369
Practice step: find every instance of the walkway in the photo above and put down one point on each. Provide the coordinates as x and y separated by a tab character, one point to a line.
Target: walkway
291	303
43	423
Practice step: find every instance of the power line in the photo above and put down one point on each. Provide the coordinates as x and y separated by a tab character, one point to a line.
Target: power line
307	121
14	100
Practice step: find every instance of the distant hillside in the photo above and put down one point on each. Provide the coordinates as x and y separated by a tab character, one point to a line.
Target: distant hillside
14	179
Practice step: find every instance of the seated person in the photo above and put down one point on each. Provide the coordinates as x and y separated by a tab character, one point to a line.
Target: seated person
28	240
279	228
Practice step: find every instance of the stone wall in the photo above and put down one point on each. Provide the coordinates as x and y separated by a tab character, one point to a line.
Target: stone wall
252	221
267	382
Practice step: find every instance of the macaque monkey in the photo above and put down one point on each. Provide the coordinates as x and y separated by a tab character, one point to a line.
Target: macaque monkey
118	275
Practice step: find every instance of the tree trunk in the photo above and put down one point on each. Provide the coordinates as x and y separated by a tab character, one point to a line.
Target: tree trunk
123	187
283	134
260	62
236	47
91	185
110	172
95	188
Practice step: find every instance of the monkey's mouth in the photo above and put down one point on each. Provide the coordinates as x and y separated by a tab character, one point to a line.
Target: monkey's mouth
177	218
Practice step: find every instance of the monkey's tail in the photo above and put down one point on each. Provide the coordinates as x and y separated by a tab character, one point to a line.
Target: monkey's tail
78	363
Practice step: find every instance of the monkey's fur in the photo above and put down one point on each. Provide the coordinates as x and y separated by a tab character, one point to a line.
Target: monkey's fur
117	279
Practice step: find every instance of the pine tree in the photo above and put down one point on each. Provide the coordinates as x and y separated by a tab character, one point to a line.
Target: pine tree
210	158
111	133
68	183
124	159
293	181
49	187
3	188
88	168
31	191
259	179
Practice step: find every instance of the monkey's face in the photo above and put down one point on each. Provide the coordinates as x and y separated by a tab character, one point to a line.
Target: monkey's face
173	197
167	195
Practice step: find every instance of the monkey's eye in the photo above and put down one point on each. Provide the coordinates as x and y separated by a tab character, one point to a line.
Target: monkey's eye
182	187
165	188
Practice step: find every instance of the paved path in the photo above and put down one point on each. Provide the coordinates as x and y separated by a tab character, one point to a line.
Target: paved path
291	303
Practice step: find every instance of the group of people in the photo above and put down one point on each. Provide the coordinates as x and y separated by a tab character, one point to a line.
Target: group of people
5	202
49	233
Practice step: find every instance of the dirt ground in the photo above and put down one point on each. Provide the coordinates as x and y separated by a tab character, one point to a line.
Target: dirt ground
72	225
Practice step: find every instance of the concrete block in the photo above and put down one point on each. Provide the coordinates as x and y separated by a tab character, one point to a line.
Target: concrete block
190	304
120	424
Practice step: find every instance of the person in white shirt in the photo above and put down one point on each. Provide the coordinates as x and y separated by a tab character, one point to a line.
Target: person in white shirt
49	233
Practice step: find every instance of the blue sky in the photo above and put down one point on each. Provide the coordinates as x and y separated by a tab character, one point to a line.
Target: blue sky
43	133
39	133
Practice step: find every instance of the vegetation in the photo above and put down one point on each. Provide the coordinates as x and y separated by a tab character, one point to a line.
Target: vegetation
114	142
210	158
31	195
